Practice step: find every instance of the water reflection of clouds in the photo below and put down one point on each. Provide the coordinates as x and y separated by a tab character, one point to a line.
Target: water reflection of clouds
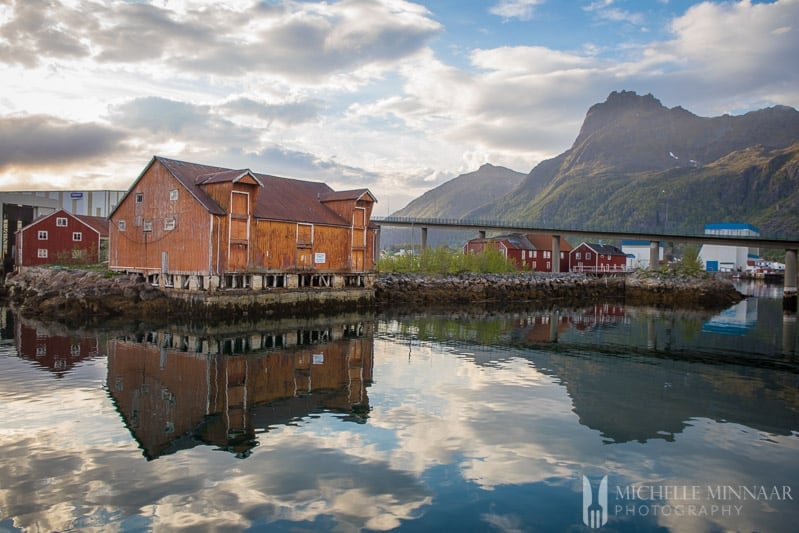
50	482
498	420
526	434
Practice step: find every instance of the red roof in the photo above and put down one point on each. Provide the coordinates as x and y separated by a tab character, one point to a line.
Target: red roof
282	198
99	224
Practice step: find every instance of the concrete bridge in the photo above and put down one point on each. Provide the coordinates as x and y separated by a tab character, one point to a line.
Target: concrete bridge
790	245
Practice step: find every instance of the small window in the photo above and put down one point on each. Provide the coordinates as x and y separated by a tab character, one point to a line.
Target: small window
173	195
77	236
61	222
41	253
170	223
139	197
579	255
148	225
42	235
122	225
587	255
535	253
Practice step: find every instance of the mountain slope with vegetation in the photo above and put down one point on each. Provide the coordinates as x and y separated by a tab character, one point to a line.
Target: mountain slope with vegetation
464	193
637	165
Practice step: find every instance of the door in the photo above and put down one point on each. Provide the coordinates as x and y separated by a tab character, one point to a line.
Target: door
239	231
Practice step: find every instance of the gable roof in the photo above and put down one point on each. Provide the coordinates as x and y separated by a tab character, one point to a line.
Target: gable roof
604	249
516	241
283	199
355	194
98	224
542	241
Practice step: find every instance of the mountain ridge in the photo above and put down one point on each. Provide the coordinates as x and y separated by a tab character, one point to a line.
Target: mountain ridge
637	165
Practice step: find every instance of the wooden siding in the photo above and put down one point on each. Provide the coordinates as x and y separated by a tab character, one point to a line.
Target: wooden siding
186	246
59	244
229	238
293	246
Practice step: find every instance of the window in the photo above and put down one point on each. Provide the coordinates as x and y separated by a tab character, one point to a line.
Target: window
41	253
77	236
587	255
535	253
578	255
173	195
61	222
139	197
42	235
170	223
121	225
148	225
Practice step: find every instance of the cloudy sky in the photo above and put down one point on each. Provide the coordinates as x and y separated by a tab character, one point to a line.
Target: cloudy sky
394	95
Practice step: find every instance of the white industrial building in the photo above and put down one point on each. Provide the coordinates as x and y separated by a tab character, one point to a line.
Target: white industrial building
723	258
638	253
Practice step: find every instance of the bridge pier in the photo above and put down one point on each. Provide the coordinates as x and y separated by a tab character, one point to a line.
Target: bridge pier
789	285
556	253
654	255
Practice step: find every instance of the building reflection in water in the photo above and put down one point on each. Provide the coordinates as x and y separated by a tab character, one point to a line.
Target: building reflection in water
51	347
176	390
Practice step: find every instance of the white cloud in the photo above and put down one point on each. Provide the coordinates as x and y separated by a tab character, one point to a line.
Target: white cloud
521	9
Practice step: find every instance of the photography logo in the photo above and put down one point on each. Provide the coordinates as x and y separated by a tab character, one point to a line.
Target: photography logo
595	506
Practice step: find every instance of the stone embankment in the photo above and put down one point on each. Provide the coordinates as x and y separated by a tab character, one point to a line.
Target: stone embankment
74	295
642	288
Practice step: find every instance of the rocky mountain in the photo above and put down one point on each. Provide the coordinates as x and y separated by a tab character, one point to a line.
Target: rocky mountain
638	165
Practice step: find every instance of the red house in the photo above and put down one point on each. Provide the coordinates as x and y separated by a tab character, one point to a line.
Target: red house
542	256
62	237
590	257
527	252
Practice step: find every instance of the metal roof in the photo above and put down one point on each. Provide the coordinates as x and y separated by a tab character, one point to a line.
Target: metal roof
280	198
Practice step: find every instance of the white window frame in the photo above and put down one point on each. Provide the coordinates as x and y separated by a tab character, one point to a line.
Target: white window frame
41	253
42	235
147	226
170	223
61	222
139	197
122	225
173	195
77	236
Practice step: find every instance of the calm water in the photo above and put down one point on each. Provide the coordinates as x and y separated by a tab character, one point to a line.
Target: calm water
626	418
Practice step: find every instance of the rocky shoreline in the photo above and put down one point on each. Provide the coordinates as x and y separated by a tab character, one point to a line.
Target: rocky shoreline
642	288
71	295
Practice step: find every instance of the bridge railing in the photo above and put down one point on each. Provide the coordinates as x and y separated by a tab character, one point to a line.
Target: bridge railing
545	227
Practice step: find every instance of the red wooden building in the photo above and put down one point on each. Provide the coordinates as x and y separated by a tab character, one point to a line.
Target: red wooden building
590	257
62	237
193	226
527	252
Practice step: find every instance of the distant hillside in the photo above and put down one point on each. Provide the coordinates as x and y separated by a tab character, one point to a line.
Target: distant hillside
464	193
637	165
453	199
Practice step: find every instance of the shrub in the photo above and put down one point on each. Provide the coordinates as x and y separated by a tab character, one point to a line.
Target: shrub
442	260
